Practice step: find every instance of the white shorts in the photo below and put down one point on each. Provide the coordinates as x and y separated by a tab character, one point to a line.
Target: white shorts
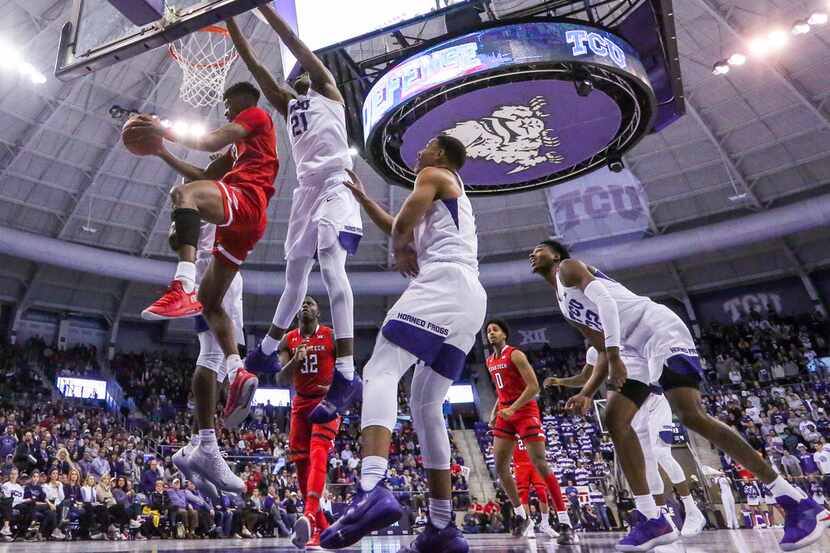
662	338
211	355
439	316
323	202
653	422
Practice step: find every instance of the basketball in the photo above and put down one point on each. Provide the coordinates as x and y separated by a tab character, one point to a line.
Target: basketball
138	139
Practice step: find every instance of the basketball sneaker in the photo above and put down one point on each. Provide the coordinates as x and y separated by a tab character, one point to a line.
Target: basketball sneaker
240	395
314	543
694	524
206	488
340	396
567	536
520	525
804	522
181	460
432	540
211	467
548	531
646	534
304	529
368	512
256	361
174	304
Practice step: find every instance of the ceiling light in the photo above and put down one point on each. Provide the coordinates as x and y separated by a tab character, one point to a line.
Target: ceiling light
353	151
737	59
759	47
778	39
197	130
818	18
720	68
801	27
9	57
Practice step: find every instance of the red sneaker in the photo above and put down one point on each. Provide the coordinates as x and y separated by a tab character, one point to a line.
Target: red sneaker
240	396
174	304
314	543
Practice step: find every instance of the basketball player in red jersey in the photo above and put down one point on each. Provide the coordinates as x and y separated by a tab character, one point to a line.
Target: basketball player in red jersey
527	477
516	415
232	193
307	355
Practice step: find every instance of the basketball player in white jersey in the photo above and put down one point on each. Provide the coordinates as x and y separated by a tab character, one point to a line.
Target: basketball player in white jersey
610	316
203	463
654	428
431	327
325	217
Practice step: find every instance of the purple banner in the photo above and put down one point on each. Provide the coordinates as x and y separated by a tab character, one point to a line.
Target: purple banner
786	297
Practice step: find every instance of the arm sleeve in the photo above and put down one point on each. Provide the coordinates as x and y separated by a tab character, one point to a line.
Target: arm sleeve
591	356
609	316
253	119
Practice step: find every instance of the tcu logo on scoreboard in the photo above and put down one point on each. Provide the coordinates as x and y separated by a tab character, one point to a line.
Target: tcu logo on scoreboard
599	45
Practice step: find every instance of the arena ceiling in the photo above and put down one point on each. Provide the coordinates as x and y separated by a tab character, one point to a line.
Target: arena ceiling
763	130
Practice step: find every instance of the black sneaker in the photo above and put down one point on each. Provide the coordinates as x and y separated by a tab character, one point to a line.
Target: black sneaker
520	526
567	536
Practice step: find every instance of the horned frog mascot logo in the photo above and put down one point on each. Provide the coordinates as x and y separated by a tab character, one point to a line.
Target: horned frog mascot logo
514	135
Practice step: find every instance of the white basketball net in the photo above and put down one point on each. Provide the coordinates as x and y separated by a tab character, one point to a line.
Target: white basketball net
205	58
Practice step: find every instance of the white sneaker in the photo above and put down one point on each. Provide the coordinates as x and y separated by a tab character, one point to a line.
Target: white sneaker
209	464
207	489
181	460
549	531
6	531
246	533
58	535
134	524
694	524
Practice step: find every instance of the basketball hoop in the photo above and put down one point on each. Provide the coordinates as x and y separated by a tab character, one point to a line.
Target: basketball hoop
205	58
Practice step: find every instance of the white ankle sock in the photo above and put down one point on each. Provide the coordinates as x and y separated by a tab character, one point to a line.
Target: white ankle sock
780	487
186	274
268	345
519	511
646	505
440	512
233	363
207	438
372	471
345	366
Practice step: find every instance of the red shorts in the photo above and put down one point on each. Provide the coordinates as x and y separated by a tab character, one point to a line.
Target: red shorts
527	477
525	424
302	430
246	216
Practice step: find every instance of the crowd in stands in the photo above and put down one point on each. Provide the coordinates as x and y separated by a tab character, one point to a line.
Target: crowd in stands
73	469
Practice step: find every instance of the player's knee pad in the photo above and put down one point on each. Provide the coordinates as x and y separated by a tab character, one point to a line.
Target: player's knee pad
428	392
333	271
380	405
211	356
296	287
670	465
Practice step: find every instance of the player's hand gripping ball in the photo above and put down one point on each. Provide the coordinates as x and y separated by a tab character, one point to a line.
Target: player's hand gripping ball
140	136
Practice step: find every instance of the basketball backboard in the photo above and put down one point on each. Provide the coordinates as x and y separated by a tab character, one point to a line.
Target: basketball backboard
98	35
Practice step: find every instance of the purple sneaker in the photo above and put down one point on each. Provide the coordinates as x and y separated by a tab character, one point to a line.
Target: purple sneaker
367	513
645	534
339	397
257	362
804	522
431	540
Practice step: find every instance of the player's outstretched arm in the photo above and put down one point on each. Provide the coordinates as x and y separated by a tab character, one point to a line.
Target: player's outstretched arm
376	213
277	94
577	381
321	78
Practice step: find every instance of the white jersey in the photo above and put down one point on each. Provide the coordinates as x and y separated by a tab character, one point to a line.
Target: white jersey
447	233
15	491
647	329
317	130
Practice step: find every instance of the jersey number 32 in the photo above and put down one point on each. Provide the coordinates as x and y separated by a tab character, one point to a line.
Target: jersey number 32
310	365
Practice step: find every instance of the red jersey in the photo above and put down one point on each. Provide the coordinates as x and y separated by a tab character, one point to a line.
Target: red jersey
520	456
504	374
255	162
314	377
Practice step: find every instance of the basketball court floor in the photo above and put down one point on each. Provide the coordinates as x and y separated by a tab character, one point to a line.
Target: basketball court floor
724	541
